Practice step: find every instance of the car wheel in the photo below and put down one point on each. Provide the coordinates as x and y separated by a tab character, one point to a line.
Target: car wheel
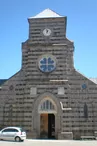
17	139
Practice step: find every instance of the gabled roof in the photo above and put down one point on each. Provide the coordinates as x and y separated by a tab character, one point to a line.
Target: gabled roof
94	80
47	13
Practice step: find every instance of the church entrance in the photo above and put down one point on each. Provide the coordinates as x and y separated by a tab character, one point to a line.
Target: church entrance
47	126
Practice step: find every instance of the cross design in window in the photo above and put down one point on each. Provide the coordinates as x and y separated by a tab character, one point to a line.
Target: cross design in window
47	64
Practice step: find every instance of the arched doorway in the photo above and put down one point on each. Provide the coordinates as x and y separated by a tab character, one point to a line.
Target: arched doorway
46	105
47	111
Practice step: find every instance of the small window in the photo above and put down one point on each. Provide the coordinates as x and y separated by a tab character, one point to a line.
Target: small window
61	90
84	86
85	111
33	91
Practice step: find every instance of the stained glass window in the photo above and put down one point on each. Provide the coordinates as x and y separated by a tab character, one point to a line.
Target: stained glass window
47	63
47	105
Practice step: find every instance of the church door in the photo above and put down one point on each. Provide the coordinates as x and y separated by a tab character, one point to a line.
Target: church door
47	126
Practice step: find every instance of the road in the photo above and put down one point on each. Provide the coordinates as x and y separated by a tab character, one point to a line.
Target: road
29	142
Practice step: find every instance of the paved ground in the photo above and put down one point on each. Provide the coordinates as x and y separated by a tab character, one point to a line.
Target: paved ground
49	143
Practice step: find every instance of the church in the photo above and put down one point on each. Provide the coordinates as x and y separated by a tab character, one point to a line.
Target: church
48	97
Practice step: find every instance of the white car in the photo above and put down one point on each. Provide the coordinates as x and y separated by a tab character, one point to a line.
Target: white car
13	133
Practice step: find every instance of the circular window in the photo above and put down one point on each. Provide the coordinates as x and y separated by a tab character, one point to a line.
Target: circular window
47	63
84	86
11	87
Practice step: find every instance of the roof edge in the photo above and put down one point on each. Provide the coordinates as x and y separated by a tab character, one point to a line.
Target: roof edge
86	77
47	13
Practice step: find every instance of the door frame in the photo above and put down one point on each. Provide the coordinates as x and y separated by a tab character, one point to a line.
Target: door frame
36	114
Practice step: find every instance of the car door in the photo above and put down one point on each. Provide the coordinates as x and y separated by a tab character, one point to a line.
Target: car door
4	134
7	134
13	133
10	134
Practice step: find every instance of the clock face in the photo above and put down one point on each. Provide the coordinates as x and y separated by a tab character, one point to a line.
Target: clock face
47	63
47	32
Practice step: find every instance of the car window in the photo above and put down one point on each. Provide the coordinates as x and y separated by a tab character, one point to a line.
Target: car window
6	130
15	130
10	130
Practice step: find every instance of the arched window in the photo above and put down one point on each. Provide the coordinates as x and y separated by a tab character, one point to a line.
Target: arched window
47	105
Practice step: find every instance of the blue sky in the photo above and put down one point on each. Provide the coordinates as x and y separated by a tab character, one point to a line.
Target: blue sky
81	28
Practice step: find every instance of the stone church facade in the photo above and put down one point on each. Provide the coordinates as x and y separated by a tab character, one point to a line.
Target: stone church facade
48	97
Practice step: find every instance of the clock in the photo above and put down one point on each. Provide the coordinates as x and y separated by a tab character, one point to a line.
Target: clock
47	32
